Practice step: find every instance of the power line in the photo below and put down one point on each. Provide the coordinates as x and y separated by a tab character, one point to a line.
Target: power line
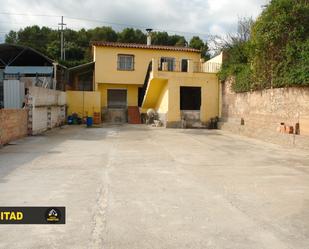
27	14
204	35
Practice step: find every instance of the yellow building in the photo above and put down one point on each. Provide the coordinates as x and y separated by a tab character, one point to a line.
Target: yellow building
133	78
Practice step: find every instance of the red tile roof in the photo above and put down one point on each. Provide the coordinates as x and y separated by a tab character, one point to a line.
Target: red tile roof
143	46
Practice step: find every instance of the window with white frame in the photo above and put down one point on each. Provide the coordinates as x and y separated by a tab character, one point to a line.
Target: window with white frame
125	62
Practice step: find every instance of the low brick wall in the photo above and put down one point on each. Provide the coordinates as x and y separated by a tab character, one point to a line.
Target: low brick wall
13	124
264	114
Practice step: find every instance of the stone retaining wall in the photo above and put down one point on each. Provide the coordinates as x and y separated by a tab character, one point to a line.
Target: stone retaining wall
268	115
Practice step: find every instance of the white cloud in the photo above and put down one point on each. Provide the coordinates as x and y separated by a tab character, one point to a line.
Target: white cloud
194	16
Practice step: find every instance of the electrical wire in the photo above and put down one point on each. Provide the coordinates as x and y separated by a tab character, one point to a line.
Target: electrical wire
203	35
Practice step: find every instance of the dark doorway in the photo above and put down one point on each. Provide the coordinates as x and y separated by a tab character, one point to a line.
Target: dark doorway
140	96
190	98
117	98
184	65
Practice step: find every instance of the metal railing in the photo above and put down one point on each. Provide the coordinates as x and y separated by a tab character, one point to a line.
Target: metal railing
182	66
175	66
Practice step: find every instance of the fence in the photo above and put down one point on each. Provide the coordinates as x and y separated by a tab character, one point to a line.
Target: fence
211	67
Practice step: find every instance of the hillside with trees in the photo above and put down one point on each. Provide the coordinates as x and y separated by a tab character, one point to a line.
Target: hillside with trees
271	52
77	43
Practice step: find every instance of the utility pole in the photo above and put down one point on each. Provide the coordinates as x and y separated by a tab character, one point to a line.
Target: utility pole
62	39
64	42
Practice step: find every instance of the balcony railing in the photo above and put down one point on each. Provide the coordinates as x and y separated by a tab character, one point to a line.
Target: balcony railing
175	66
184	66
211	67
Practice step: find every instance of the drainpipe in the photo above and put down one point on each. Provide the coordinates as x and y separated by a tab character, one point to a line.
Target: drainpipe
55	64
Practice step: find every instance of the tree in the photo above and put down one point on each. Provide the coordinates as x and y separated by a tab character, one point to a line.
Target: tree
237	49
77	43
178	40
182	42
102	34
280	39
163	38
159	38
53	49
11	37
197	43
130	35
271	52
73	52
35	37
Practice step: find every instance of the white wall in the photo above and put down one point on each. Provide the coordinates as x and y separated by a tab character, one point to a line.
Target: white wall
47	108
214	64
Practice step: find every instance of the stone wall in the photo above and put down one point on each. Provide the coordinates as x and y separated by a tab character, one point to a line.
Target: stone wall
269	115
13	124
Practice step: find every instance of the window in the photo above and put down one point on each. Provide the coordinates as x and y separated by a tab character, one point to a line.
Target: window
184	65
169	64
125	62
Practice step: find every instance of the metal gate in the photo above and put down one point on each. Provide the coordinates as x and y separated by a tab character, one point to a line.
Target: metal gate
117	105
117	98
13	93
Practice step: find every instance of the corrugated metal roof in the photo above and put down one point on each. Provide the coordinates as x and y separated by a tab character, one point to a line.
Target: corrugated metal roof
143	46
17	55
28	70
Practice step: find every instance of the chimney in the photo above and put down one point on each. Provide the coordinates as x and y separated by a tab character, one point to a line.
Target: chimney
148	36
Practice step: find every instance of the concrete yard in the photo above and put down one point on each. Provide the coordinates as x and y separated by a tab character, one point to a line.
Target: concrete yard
129	186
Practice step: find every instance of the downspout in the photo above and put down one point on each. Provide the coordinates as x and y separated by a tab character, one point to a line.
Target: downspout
55	64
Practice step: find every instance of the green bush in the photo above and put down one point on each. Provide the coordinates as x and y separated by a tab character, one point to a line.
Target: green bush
277	53
243	79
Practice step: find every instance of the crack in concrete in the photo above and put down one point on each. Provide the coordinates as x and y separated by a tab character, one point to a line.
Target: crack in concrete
99	232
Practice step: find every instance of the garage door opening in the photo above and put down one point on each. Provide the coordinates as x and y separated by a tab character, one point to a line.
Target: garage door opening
190	98
117	98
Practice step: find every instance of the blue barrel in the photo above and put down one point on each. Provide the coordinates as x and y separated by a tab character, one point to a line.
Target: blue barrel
89	121
70	120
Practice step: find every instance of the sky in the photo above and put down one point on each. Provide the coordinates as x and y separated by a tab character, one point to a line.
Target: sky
183	17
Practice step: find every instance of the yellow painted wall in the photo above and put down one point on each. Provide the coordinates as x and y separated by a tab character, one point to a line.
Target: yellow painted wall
165	98
83	103
162	104
132	93
210	96
106	63
153	93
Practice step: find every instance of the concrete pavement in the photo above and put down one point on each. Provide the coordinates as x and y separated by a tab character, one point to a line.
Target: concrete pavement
140	187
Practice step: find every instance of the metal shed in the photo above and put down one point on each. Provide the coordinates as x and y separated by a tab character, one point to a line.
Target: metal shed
28	67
